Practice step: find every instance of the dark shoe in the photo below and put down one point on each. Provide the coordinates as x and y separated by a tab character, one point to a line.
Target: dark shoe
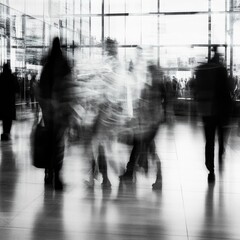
157	185
126	177
211	177
5	137
106	184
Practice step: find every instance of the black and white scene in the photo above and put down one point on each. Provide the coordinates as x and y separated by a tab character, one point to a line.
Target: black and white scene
119	119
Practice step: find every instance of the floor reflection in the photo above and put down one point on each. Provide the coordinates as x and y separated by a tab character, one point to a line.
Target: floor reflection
48	222
187	207
8	181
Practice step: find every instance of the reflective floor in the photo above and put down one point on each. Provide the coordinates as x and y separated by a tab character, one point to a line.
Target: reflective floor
187	207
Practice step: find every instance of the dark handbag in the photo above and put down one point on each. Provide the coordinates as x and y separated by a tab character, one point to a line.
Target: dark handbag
41	147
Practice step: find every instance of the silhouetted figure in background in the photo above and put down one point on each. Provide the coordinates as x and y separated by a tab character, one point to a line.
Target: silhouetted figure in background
33	83
148	120
8	89
213	93
52	89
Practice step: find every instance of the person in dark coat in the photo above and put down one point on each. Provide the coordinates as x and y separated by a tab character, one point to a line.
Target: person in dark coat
55	76
213	94
8	89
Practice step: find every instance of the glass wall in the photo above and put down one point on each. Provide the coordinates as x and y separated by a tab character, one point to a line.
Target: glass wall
178	35
164	25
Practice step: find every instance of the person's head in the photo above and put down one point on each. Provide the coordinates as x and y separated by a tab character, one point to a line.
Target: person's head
111	47
56	47
6	68
216	56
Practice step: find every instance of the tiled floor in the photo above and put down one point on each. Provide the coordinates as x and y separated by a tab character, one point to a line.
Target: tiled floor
187	207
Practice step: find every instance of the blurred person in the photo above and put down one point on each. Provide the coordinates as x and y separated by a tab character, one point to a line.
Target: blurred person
175	86
182	87
147	124
105	123
33	83
28	88
8	89
213	94
56	74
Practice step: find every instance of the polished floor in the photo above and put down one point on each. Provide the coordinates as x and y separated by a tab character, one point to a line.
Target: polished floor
187	207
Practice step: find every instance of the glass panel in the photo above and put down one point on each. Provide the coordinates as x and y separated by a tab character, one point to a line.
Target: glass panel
77	6
218	5
18	5
96	30
85	6
117	6
236	5
16	24
187	29
85	31
236	62
34	37
218	28
236	30
117	29
133	30
31	8
107	26
182	57
149	34
149	6
96	6
183	5
121	55
133	6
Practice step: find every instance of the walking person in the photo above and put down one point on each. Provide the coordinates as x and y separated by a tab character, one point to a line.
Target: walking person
8	89
55	75
213	93
149	119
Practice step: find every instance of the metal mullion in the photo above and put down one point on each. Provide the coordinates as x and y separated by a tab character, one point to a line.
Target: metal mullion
209	29
226	21
141	25
158	34
231	39
80	22
102	16
90	27
125	24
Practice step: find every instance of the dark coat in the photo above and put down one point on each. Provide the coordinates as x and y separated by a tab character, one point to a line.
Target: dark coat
53	93
213	90
8	89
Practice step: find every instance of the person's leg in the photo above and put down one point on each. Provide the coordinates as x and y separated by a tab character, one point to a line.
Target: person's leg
58	154
102	163
128	175
223	132
156	159
143	155
209	129
7	125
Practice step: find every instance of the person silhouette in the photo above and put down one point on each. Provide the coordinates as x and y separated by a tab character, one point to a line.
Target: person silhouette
8	89
213	94
55	75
